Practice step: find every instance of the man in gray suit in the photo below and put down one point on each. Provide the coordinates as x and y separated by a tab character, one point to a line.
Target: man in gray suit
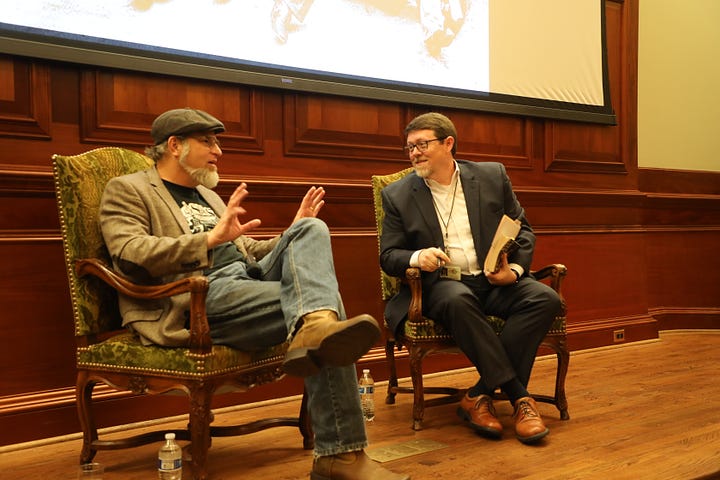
442	220
166	223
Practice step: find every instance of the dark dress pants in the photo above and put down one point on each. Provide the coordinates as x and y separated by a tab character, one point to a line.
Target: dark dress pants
528	307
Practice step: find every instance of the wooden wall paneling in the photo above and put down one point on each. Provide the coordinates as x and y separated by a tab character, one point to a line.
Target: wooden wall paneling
683	270
345	128
24	99
606	288
598	265
38	335
358	273
571	209
119	108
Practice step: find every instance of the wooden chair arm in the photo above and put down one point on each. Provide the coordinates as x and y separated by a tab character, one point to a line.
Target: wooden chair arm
197	286
555	272
413	279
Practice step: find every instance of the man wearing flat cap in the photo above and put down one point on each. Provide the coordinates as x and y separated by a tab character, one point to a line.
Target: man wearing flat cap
166	223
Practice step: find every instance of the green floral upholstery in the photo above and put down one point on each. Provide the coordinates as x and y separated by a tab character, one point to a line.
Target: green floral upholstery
124	352
80	181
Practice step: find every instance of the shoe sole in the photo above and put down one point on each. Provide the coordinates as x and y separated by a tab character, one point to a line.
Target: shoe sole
534	438
484	431
343	348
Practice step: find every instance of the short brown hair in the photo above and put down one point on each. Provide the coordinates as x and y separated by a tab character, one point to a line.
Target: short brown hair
437	122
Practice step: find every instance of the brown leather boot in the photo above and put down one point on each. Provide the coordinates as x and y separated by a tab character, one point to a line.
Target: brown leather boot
324	340
529	427
351	466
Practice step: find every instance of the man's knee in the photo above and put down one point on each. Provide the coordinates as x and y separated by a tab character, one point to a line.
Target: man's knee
452	305
310	224
552	301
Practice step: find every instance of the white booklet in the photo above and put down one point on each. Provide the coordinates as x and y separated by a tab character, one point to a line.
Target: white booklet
503	242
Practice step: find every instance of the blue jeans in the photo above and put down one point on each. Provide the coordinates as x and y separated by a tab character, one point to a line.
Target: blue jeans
298	277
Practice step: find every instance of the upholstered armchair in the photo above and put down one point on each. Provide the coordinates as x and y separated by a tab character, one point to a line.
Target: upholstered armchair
422	336
108	354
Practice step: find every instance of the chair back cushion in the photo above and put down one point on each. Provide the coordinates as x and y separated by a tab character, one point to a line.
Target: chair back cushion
389	285
79	184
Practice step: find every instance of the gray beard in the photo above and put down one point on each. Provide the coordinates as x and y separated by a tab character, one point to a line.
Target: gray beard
203	176
423	173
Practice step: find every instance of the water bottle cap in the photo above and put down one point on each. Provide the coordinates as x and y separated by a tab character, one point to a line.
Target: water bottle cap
366	370
169	436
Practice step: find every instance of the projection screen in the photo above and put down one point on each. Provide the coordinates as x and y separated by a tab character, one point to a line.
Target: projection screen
543	58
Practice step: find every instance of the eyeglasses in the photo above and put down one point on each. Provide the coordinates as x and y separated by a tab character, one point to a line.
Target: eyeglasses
209	141
422	145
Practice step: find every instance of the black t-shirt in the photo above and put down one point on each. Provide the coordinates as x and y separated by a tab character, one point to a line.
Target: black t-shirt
202	218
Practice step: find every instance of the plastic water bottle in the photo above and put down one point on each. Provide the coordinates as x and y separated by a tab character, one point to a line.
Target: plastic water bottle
170	459
366	385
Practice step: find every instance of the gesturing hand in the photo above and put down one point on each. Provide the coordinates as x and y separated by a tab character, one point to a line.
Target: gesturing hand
229	226
311	203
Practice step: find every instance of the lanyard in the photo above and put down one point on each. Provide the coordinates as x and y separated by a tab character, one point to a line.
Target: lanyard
452	207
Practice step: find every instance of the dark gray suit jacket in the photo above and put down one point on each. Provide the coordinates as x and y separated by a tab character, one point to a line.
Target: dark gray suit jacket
411	224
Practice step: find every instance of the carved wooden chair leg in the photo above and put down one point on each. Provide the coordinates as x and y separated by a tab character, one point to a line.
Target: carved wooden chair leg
563	357
416	358
84	389
200	401
392	379
559	399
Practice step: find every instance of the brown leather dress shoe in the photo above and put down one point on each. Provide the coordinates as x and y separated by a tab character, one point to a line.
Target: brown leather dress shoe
324	340
529	427
351	466
480	413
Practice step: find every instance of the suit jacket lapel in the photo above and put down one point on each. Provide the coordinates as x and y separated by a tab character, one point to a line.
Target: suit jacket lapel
471	189
423	198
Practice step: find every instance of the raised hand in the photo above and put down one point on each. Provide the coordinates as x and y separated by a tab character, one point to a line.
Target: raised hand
229	226
311	203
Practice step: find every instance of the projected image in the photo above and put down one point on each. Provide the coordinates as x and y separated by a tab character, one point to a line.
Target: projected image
440	19
544	58
411	41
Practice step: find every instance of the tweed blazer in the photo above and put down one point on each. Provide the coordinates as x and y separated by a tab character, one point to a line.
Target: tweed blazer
411	224
150	242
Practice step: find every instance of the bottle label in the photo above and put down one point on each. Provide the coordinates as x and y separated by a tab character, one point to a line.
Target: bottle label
363	389
170	464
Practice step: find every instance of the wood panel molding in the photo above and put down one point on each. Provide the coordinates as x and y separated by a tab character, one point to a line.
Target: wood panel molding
24	181
682	182
336	127
61	397
24	99
119	108
674	318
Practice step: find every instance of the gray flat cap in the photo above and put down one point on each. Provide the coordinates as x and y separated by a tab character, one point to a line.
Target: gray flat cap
182	121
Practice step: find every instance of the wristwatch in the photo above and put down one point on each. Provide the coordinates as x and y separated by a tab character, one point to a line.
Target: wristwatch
517	275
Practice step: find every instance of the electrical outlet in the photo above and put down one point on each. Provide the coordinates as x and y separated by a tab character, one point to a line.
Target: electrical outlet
619	336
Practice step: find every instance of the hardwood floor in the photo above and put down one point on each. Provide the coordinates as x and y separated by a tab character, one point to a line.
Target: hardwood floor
646	410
